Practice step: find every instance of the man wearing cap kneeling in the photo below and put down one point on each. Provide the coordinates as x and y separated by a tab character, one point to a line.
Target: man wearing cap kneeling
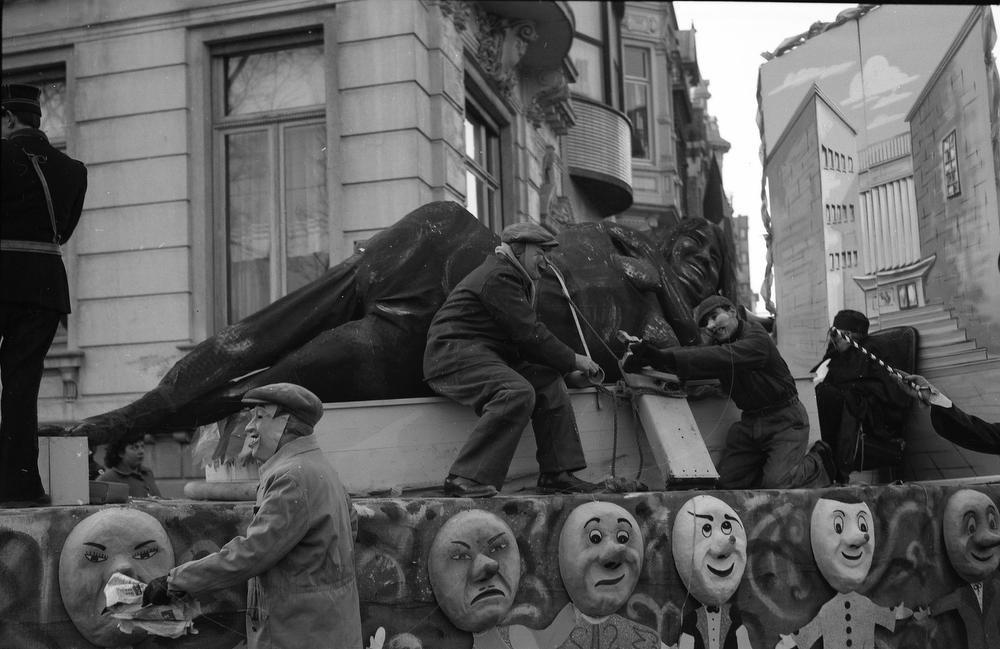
487	349
298	551
766	448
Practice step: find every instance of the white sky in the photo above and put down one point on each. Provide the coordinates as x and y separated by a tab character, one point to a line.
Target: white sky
730	37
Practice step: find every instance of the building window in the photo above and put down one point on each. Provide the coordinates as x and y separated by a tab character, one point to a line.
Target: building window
637	95
949	155
906	294
483	180
270	153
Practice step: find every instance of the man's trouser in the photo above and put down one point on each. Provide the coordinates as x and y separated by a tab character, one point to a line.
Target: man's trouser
768	451
506	398
26	333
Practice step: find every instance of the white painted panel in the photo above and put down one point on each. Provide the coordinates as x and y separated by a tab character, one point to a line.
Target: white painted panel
135	227
136	182
119	321
134	136
143	272
132	52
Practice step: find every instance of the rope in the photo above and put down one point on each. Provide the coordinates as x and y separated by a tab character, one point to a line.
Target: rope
893	372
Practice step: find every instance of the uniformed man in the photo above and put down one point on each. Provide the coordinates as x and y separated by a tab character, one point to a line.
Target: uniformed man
487	349
42	197
298	551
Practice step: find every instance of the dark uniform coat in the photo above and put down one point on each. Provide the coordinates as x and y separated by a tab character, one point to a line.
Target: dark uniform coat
41	278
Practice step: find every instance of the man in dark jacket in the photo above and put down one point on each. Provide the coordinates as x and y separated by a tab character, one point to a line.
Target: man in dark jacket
298	551
487	349
766	448
956	426
37	216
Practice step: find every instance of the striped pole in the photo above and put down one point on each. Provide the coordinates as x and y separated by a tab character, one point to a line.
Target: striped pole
896	374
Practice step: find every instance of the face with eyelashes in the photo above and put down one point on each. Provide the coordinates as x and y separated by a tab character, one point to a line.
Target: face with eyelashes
843	542
600	556
112	540
710	549
475	569
971	527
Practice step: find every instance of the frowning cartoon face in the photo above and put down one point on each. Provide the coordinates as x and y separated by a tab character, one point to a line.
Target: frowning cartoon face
971	528
710	549
843	542
112	540
600	555
475	569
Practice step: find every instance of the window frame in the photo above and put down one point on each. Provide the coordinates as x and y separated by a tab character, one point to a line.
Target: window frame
647	81
949	165
492	108
209	282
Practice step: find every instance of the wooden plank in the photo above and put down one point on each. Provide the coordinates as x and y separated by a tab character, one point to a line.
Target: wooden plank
673	435
62	464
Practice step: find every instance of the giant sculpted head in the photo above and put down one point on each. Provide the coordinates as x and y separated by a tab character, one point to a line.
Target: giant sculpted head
358	332
112	540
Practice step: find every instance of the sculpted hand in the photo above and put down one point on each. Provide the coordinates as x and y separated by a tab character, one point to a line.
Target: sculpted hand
157	592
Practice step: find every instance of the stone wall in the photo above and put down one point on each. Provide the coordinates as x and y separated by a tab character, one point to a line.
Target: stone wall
780	592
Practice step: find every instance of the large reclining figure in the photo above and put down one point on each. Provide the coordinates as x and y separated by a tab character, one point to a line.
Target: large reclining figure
358	332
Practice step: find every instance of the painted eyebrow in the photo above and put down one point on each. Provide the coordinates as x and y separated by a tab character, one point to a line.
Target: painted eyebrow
492	539
839	511
96	545
144	543
463	543
707	516
626	521
733	519
592	520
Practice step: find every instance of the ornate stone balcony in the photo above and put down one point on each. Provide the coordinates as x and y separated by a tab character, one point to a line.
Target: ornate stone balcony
598	152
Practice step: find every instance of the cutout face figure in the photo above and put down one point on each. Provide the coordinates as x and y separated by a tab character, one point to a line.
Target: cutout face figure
971	527
600	555
475	569
263	432
112	540
843	542
710	549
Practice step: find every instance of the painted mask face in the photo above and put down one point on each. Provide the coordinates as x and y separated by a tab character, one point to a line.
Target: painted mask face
263	432
710	549
112	540
843	542
972	534
475	569
600	556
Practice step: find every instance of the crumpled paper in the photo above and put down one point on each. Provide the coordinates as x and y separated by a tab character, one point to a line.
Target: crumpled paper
124	603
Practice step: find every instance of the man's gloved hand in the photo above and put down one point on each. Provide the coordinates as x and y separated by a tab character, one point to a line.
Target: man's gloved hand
157	592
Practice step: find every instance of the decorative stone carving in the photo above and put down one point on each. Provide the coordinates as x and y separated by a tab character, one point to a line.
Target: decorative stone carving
555	211
641	24
551	103
461	13
502	44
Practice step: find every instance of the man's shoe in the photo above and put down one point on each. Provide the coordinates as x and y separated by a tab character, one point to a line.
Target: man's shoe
825	454
565	482
459	487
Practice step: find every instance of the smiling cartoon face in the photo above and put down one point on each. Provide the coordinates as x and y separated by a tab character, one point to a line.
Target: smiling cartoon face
112	540
971	528
475	569
600	555
710	549
843	542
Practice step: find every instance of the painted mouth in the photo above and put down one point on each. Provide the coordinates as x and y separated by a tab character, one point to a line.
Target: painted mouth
725	572
610	582
852	557
486	594
984	559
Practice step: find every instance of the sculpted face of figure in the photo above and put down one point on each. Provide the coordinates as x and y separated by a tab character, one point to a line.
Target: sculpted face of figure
843	542
695	256
972	534
600	555
475	569
112	540
710	549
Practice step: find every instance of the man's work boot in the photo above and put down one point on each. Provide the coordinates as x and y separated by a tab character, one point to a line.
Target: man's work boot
460	487
565	482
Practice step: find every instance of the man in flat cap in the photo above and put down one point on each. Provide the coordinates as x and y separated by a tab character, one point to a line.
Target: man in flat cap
298	551
487	349
767	447
854	393
42	199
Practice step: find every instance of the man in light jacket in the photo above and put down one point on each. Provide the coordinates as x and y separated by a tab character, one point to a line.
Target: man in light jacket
298	551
